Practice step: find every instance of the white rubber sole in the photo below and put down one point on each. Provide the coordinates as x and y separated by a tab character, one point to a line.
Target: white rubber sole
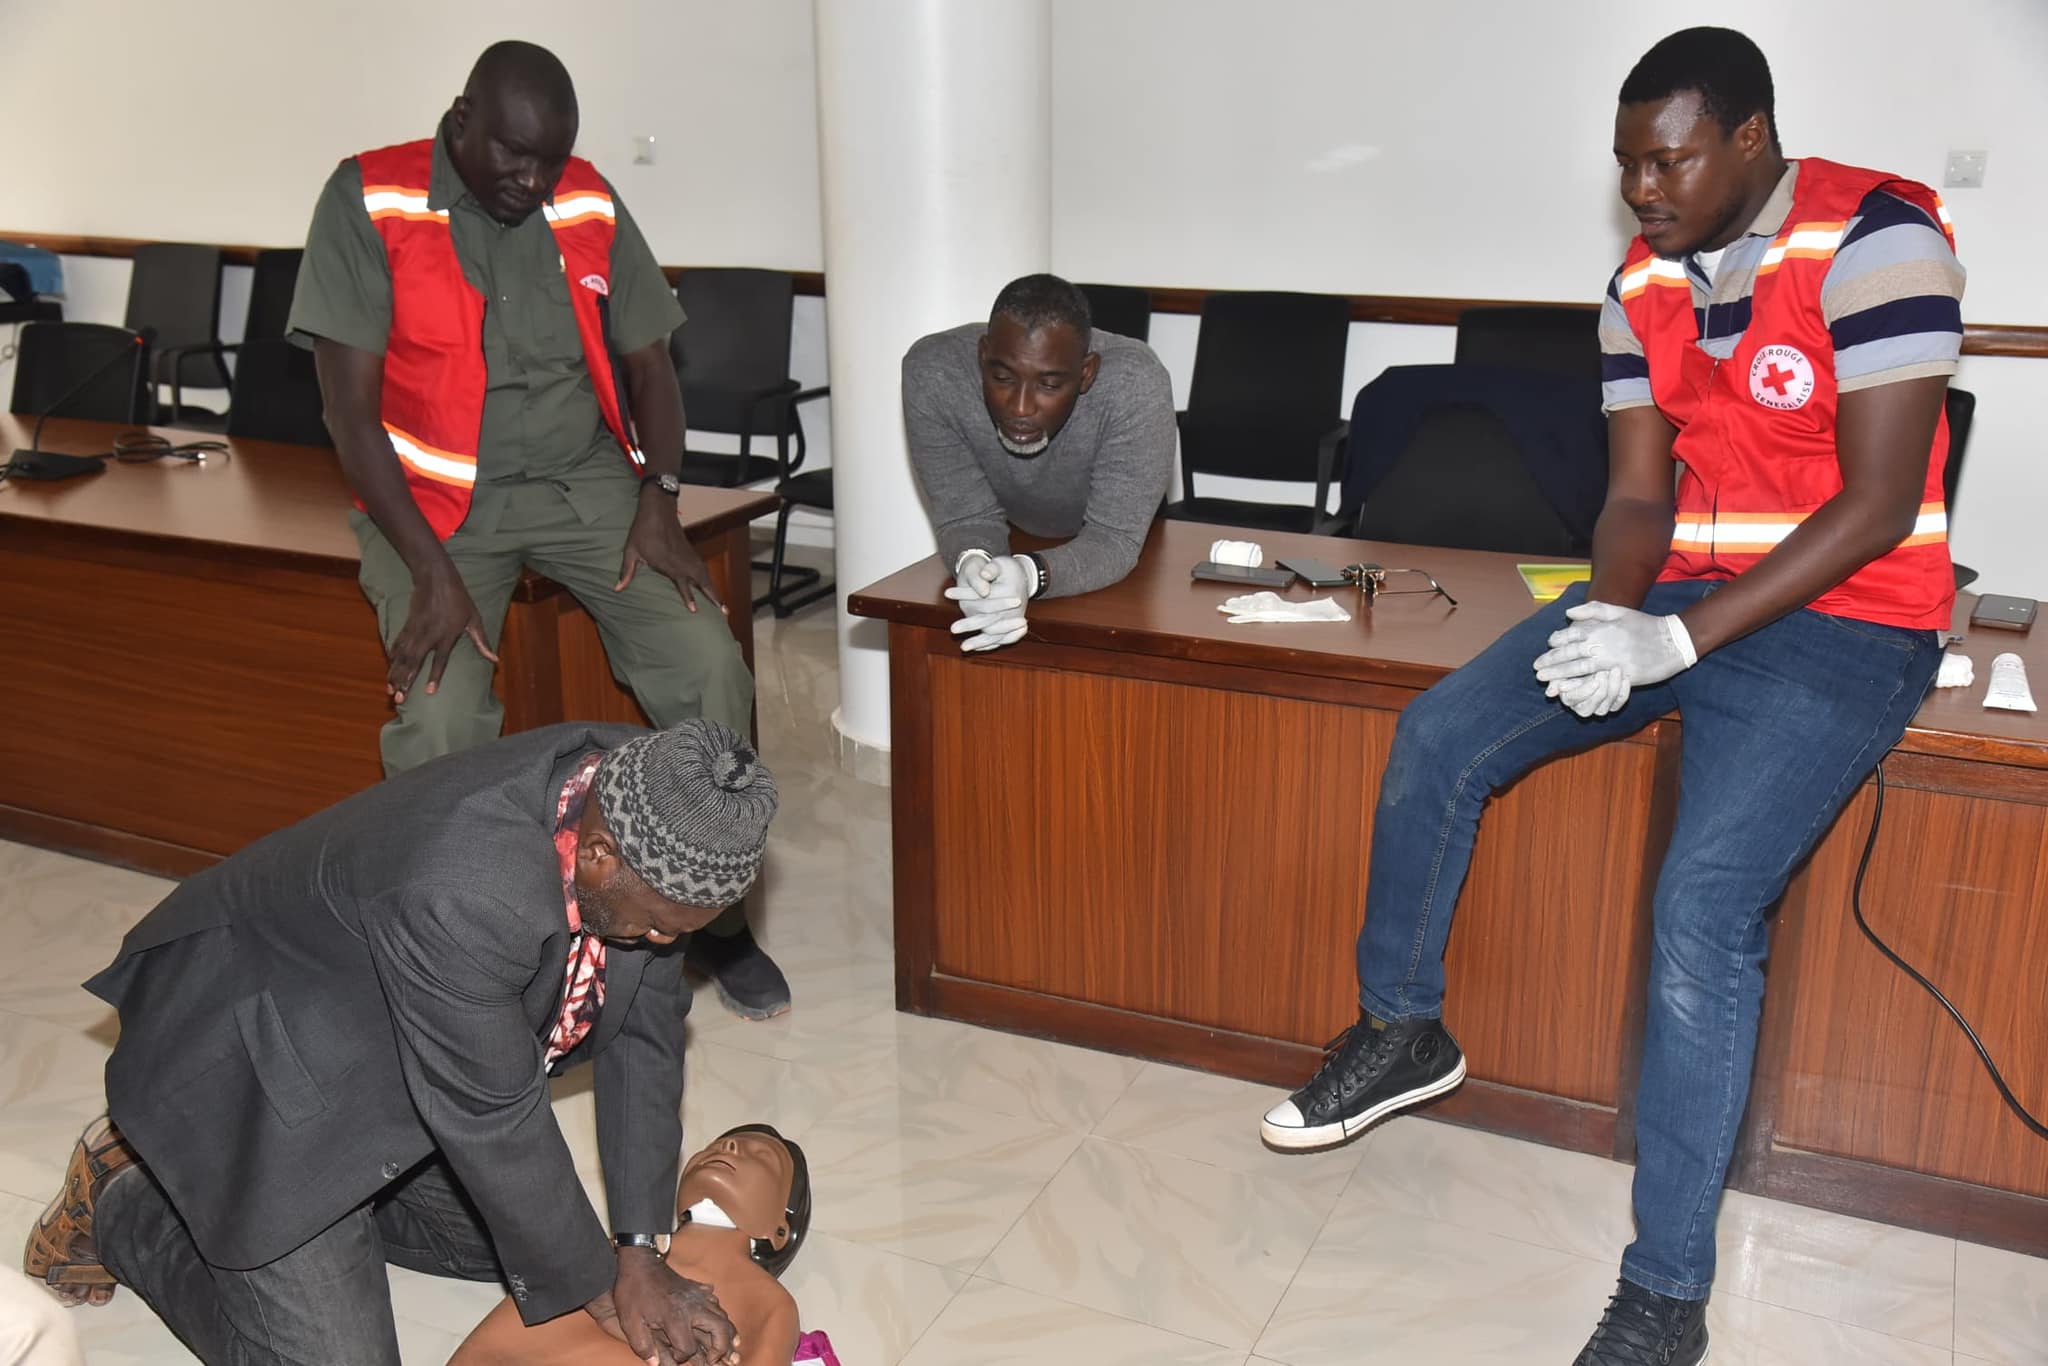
1330	1135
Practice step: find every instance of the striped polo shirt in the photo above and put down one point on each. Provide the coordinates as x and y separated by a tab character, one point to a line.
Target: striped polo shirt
1892	299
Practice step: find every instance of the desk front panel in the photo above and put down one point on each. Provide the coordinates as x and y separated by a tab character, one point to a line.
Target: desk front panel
1188	843
1864	1064
168	711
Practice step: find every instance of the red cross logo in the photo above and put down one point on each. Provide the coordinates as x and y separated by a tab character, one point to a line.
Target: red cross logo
1781	377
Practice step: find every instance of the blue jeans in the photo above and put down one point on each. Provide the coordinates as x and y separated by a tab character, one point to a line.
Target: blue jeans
1779	730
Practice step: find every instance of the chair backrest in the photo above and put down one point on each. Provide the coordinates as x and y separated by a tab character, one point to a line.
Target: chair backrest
1462	482
1123	309
270	292
277	394
1554	340
1271	353
175	288
735	343
1961	407
53	356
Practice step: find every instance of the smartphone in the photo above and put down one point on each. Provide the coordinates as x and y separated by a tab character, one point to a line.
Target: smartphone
1237	573
1313	572
2003	613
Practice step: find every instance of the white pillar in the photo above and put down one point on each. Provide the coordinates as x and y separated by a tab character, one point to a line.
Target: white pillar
935	142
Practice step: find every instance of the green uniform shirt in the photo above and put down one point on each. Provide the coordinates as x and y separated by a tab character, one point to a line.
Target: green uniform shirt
541	419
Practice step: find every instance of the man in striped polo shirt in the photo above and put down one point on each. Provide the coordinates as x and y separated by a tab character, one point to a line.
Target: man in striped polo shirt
1782	332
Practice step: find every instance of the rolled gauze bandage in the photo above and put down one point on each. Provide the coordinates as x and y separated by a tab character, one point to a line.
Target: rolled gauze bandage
1250	554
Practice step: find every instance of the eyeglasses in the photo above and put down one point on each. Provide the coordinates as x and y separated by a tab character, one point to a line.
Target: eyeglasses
1371	580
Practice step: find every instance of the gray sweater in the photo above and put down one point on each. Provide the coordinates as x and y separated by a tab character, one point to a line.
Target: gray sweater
1099	482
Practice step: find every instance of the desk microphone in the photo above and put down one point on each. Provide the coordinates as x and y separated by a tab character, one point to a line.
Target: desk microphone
31	462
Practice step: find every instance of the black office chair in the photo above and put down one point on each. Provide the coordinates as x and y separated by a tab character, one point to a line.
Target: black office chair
1555	340
175	288
53	356
1961	407
1462	482
277	394
732	360
1123	309
273	279
1269	372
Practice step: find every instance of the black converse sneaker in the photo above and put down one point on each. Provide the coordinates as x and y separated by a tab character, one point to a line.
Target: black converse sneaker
1644	1328
1369	1071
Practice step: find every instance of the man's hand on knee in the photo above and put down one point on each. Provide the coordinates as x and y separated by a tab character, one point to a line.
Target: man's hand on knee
440	614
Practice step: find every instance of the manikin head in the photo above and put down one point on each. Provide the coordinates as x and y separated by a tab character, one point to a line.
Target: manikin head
512	128
1035	361
761	1182
1696	138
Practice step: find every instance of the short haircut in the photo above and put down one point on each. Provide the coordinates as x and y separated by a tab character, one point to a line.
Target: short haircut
797	1213
1725	68
1035	301
528	69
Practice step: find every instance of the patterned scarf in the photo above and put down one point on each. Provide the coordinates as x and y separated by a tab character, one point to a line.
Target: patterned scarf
583	983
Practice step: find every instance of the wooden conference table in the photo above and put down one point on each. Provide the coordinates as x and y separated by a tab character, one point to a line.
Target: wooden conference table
1145	829
189	663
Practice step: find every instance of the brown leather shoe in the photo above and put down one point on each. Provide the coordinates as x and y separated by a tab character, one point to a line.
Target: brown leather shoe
60	1249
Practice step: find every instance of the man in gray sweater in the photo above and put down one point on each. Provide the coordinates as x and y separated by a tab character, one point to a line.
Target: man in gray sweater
1039	422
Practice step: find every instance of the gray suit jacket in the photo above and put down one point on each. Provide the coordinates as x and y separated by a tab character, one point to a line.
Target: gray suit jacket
342	999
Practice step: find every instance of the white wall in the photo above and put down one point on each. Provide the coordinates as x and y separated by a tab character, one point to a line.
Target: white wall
1344	145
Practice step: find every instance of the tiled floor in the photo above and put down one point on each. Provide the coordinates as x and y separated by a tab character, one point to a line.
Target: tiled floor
985	1199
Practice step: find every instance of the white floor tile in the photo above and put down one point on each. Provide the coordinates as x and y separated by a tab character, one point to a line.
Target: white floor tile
2001	1306
998	1325
1164	1240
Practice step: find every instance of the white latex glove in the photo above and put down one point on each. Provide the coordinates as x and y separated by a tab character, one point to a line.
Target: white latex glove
1646	649
1271	606
1593	694
992	630
975	569
991	591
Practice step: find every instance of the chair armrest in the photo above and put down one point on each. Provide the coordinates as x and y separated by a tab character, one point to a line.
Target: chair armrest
1332	447
806	395
173	358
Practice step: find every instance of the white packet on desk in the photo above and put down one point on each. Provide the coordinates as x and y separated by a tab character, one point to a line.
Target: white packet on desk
1956	671
2008	690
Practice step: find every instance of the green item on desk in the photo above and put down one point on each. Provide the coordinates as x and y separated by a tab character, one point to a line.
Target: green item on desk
1547	582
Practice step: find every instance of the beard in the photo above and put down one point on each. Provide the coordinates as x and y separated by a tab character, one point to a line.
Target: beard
599	906
1023	448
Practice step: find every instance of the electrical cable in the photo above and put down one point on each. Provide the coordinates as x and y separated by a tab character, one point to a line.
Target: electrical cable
138	447
1856	905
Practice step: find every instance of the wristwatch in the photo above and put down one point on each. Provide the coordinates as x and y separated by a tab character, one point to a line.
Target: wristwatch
626	1240
667	483
1044	574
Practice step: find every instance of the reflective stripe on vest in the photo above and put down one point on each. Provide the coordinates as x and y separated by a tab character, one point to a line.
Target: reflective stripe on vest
1756	533
580	207
399	201
446	467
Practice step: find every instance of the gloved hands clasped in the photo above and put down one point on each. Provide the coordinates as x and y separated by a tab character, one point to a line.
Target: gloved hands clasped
1594	663
991	591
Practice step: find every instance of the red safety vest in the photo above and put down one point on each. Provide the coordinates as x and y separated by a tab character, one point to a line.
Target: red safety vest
434	373
1756	432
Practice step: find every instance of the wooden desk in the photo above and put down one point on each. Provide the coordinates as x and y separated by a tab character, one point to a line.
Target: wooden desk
1173	856
190	663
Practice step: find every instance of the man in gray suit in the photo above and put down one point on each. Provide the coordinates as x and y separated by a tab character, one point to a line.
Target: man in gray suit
335	1049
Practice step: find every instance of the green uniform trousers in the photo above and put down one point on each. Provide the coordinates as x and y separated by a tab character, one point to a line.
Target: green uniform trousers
679	664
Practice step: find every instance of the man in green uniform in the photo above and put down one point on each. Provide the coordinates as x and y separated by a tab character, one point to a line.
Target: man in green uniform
547	484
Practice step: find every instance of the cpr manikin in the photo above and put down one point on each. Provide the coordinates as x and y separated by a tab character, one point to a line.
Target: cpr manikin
743	1206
